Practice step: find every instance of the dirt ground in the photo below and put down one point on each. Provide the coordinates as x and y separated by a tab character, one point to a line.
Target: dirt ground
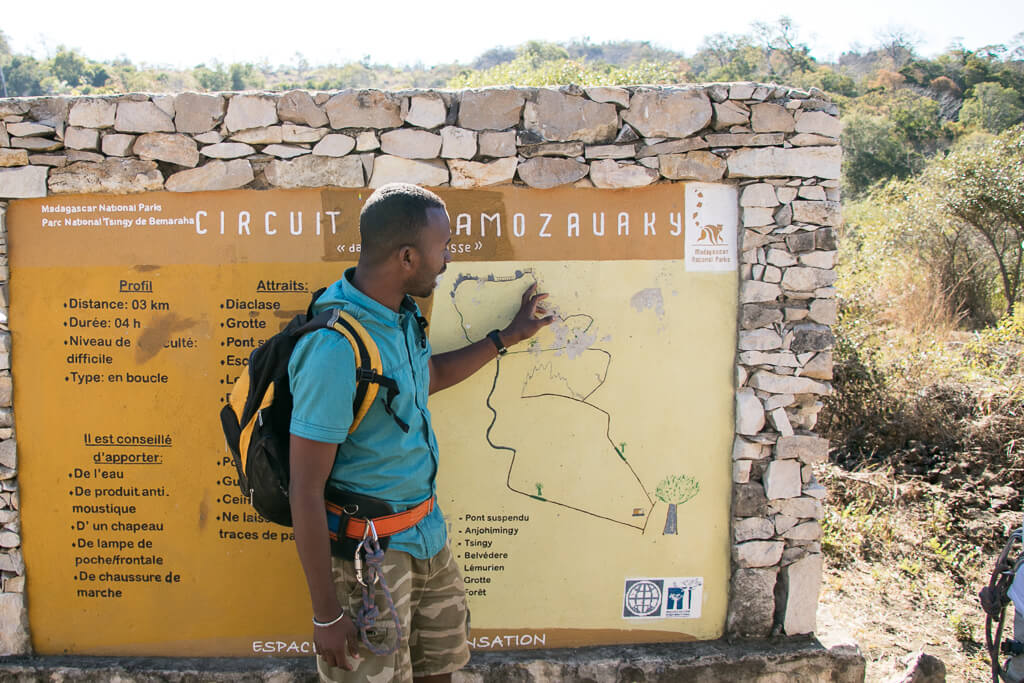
905	560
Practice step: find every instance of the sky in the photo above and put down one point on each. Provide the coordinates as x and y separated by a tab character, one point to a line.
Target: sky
185	33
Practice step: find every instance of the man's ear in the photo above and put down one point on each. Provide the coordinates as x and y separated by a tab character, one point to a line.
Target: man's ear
408	257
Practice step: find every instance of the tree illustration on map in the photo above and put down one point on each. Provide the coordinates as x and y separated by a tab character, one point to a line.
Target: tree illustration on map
544	413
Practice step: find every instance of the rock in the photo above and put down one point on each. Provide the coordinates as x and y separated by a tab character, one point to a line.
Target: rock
803	507
812	192
250	111
668	113
808	140
458	143
819	367
610	151
815	490
551	149
316	171
752	315
494	144
13	157
117	144
819	213
619	96
786	194
285	151
802	162
558	117
291	132
173	148
411	143
819	259
692	166
56	160
671	147
114	176
800	242
759	194
811	337
749	412
806	449
804	279
490	109
8	454
824	239
729	113
210	137
81	138
744	139
546	172
818	123
807	531
751	603
920	668
142	117
297	106
367	141
783	524
14	639
610	174
758	292
466	174
755	216
785	384
426	111
270	135
13	107
824	311
364	109
741	91
390	169
22	182
30	129
752	528
197	112
334	145
165	103
626	134
749	500
770	118
227	150
780	258
36	144
747	450
741	471
782	479
783	359
800	585
759	340
92	114
9	539
780	421
213	175
757	553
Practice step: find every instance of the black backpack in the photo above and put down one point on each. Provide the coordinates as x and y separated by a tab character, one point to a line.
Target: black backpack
257	418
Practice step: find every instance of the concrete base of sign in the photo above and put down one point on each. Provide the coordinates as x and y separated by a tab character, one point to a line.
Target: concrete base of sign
796	659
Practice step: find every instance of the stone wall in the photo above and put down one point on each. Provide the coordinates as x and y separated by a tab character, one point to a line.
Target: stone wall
778	144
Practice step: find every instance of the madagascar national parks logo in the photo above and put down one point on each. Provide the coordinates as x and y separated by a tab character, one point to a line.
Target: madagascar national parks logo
710	234
712	217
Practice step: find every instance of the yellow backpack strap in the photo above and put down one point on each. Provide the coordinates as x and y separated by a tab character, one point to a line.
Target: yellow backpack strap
369	371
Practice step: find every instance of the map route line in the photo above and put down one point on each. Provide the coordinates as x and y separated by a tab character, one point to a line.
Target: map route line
508	479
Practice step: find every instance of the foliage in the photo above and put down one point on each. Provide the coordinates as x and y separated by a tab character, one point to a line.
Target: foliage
676	489
993	108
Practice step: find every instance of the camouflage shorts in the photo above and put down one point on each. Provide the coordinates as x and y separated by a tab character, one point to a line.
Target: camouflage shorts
431	604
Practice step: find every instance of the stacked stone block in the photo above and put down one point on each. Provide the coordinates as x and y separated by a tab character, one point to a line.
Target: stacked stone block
778	145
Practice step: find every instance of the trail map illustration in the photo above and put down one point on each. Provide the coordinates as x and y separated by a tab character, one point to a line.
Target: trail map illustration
559	378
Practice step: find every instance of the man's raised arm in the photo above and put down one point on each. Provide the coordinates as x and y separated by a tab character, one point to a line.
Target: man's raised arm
450	368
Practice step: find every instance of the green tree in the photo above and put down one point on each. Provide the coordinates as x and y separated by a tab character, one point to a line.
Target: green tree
69	66
993	108
245	77
25	76
675	490
873	150
214	79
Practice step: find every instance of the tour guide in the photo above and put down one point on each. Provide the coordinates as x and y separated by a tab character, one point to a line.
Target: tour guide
406	235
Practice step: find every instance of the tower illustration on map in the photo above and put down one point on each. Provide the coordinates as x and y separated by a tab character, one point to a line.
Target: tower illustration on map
544	413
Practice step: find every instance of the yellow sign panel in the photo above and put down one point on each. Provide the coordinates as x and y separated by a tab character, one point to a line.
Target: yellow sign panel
585	475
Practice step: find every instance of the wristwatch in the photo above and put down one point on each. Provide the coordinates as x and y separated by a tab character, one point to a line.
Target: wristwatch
496	338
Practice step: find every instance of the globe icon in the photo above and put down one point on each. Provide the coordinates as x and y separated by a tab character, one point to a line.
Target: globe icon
643	598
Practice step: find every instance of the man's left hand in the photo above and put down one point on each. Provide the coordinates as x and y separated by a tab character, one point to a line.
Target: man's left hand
526	322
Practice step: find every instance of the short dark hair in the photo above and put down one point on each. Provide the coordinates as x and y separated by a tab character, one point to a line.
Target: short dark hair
392	218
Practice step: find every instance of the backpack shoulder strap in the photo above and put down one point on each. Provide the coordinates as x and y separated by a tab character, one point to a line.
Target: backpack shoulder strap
369	367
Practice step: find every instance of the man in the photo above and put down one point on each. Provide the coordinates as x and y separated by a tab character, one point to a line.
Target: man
405	234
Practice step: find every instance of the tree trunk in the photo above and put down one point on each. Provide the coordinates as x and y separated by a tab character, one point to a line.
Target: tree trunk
670	521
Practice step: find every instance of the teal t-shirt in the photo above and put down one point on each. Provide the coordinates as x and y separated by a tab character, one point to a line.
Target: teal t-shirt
378	459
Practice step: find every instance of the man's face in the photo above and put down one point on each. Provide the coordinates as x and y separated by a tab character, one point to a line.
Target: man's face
435	238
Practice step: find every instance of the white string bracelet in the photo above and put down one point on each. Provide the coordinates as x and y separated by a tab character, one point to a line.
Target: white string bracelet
332	622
